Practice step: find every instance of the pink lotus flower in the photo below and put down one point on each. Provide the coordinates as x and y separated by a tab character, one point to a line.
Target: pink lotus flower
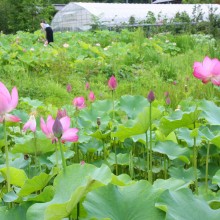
87	86
68	134
79	102
30	124
7	103
208	70
112	83
91	96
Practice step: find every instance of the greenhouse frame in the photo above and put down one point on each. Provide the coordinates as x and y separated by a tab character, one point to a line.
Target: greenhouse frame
77	16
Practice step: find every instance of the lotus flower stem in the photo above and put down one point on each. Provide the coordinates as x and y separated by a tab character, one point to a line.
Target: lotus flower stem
207	168
146	152
116	159
150	150
165	167
8	178
114	145
195	164
62	156
37	162
57	163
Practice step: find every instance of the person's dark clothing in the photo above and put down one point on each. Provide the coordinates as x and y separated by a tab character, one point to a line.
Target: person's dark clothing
49	34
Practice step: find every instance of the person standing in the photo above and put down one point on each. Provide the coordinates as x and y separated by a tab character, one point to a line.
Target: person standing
48	30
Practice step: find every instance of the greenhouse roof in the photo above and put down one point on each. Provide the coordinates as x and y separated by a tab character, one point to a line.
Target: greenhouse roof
117	13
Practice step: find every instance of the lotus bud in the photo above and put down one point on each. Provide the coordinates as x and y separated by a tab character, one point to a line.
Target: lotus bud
112	83
57	128
98	121
151	96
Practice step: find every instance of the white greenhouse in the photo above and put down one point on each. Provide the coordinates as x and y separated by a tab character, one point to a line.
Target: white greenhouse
77	16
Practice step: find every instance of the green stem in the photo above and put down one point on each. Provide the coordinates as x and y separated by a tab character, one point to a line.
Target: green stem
8	177
57	157
195	165
165	167
113	105
116	159
146	148
37	162
62	156
150	150
207	168
78	210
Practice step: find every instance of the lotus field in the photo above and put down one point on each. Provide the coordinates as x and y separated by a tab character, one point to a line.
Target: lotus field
109	125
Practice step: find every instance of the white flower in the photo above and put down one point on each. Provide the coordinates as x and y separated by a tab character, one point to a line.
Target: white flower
66	45
174	44
32	49
98	44
167	41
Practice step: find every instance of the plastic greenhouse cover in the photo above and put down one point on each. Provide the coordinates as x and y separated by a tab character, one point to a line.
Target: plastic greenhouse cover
109	11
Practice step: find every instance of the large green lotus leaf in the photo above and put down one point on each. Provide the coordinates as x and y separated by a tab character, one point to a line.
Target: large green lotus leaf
16	213
10	197
43	146
139	138
133	105
211	134
172	150
183	134
216	178
179	119
122	159
100	135
161	137
70	187
33	103
35	184
133	202
171	184
102	105
17	176
210	111
121	180
56	156
183	205
182	174
140	126
88	118
216	141
92	146
45	196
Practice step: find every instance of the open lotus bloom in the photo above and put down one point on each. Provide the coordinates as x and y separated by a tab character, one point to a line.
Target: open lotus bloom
79	102
30	124
208	70
8	102
68	134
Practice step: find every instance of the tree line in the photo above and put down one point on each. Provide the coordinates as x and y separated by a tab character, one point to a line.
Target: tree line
25	15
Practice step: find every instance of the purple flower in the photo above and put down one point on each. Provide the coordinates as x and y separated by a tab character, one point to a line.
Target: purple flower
151	96
57	128
68	88
168	101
